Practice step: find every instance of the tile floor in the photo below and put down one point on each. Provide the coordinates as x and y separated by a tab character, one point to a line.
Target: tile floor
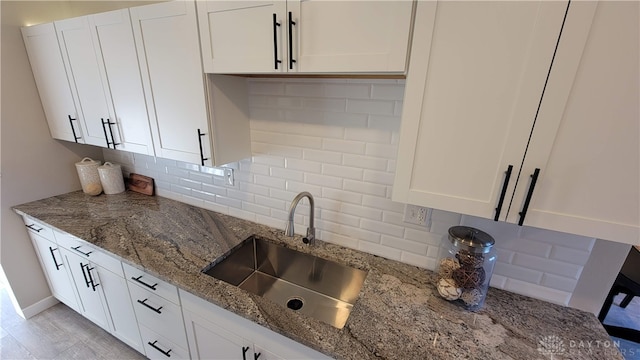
61	333
56	333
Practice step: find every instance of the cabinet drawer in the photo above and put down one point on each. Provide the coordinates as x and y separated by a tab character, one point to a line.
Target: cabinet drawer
91	253
159	314
159	347
38	228
151	283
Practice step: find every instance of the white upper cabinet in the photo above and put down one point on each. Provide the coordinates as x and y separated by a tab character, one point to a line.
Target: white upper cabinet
74	37
188	111
114	44
586	140
100	55
309	36
476	74
505	117
52	82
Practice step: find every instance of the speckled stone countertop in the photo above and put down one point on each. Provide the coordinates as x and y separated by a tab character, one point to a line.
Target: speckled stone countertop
399	314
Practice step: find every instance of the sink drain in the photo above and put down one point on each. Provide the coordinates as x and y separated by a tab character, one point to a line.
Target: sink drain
295	304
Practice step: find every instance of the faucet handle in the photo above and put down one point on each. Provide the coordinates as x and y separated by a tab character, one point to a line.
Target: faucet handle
310	239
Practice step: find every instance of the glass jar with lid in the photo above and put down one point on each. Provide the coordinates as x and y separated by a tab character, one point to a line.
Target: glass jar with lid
465	265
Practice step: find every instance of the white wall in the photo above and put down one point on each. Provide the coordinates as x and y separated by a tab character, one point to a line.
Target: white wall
33	165
337	139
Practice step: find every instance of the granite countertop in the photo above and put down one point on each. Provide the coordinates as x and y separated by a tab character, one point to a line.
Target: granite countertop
398	314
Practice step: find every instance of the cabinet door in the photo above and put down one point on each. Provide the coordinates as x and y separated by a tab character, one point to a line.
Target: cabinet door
243	36
55	269
89	288
349	36
125	326
114	44
74	37
52	82
475	80
166	36
586	140
209	341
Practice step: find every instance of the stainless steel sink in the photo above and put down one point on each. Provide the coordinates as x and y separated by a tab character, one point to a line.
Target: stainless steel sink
305	283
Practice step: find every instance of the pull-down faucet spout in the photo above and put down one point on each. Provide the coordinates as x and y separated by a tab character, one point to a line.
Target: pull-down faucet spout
311	231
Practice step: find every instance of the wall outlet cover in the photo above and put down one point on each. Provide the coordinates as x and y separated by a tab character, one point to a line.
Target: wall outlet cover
417	215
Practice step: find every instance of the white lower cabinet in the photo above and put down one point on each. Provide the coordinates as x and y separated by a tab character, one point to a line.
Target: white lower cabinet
150	315
215	333
55	267
101	288
157	308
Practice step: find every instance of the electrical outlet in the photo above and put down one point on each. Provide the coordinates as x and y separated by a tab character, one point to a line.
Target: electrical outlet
417	215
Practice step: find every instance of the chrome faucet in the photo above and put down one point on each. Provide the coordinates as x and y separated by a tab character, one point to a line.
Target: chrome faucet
311	231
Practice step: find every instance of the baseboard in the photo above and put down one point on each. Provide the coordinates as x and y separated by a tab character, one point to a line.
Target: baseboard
39	307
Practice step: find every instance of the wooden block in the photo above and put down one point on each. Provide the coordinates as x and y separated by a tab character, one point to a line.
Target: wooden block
140	183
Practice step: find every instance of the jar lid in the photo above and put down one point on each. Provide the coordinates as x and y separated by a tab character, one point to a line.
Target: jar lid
471	239
88	162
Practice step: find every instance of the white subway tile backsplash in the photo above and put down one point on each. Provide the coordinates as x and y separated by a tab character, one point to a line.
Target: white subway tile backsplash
569	255
304	165
349	91
271	182
334	105
323	180
341	195
381	227
378	107
380	250
547	265
518	272
365	162
212	189
382	150
402	244
418	260
558	282
322	156
297	187
360	211
339	218
382	203
369	134
270	202
287	174
337	138
387	92
344	146
378	177
347	172
537	291
365	187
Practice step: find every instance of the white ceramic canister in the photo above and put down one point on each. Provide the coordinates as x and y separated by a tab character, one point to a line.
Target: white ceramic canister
88	174
111	178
